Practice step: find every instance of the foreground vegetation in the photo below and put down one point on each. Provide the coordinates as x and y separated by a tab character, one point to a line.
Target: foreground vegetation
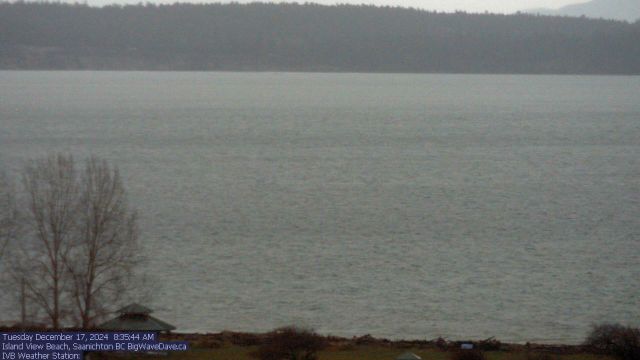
246	346
376	352
605	342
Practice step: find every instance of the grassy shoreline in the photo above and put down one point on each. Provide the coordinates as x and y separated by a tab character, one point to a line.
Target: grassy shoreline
238	345
241	346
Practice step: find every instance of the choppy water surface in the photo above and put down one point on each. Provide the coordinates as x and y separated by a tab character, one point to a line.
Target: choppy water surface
406	206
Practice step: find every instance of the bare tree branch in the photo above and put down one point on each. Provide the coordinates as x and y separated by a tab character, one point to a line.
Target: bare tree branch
51	187
8	213
78	254
104	255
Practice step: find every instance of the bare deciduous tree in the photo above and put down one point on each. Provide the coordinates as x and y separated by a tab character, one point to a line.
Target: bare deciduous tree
51	187
105	252
8	213
77	255
8	234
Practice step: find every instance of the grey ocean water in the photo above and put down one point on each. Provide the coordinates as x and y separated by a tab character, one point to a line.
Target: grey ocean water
405	206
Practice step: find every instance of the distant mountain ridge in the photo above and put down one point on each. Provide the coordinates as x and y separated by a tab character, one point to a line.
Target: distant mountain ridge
628	10
310	37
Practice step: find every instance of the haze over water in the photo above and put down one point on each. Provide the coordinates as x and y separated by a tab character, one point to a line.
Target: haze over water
404	206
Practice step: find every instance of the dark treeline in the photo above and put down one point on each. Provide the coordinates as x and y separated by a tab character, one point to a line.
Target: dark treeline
309	38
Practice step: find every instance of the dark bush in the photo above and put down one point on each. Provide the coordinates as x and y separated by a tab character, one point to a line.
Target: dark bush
441	343
365	340
490	344
468	355
617	340
244	339
291	343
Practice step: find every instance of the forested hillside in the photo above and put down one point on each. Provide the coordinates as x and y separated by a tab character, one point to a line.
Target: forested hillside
309	37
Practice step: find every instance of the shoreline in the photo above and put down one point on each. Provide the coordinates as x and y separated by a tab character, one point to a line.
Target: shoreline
490	344
213	340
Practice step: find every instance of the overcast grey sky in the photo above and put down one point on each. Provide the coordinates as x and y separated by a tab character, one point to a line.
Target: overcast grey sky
503	6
